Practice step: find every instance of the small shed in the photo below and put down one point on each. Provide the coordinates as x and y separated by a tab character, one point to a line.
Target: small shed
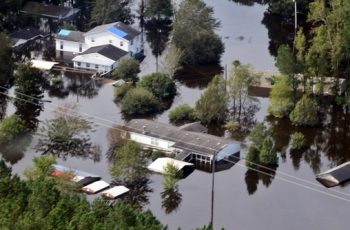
115	192
41	64
95	187
335	176
159	164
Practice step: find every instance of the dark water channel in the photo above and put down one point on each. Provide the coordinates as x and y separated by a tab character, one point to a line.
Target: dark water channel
291	198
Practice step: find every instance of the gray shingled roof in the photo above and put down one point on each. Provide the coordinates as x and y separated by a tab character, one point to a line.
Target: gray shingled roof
194	127
108	51
131	32
74	36
47	10
189	141
27	33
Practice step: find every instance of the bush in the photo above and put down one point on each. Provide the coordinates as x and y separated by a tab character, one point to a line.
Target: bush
304	113
281	98
11	127
183	113
140	101
121	91
297	141
127	70
156	154
172	174
159	84
56	80
268	153
252	159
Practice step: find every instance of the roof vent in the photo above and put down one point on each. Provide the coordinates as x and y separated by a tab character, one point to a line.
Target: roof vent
208	140
135	122
197	138
219	143
143	129
186	134
168	130
156	127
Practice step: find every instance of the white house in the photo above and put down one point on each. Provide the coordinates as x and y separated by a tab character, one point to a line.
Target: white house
102	58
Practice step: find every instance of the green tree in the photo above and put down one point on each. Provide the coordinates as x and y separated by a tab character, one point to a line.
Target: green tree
212	105
252	159
42	167
11	127
268	153
5	171
281	98
159	8
28	82
300	47
127	70
297	141
171	61
288	66
6	64
172	174
241	78
183	112
258	135
108	11
305	112
159	84
130	165
121	91
140	101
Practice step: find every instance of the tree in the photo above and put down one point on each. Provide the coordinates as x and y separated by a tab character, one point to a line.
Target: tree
172	174
117	137
67	133
268	153
212	105
28	81
122	90
252	158
130	165
183	112
300	47
281	98
194	21
288	66
5	171
297	141
304	113
127	70
258	135
108	11
11	127
140	101
241	78
159	8
171	61
6	64
159	84
200	46
42	167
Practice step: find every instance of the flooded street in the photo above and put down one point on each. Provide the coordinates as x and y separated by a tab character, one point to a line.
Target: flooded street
291	198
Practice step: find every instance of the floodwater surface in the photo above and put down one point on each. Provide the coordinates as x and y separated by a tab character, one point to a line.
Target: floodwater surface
288	198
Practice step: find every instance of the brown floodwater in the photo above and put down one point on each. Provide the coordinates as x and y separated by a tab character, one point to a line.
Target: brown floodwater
289	198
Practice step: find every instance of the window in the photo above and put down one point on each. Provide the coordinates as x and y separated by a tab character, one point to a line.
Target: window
61	45
78	63
96	66
92	39
87	64
110	41
132	41
154	141
80	48
121	44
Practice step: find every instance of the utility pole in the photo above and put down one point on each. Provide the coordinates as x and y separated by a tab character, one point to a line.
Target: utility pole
225	77
212	192
295	23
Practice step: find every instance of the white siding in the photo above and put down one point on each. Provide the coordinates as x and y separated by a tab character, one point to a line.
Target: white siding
85	65
70	46
147	140
136	46
105	38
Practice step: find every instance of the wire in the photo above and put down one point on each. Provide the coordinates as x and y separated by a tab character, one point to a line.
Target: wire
227	154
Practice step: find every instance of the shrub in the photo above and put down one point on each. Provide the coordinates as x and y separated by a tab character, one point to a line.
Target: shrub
183	113
304	113
127	70
252	158
297	141
11	127
268	153
140	101
281	98
172	174
56	80
156	154
159	84
121	91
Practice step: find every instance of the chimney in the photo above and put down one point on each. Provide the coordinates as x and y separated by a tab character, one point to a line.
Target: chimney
143	129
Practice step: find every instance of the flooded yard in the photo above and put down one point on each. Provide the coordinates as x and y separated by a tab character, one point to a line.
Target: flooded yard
289	198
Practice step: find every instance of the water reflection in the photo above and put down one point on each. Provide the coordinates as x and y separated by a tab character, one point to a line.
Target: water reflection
171	200
139	195
30	115
253	177
14	151
3	104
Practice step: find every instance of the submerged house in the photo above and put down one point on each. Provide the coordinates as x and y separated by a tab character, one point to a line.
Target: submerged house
79	177
20	38
49	11
124	40
188	142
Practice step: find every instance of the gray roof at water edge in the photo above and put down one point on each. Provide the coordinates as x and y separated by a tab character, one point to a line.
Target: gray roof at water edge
47	10
189	141
73	36
131	32
27	33
109	51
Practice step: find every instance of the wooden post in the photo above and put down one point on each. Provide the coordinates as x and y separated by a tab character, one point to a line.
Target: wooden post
212	193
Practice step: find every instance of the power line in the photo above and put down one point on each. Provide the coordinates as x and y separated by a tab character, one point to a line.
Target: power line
227	154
